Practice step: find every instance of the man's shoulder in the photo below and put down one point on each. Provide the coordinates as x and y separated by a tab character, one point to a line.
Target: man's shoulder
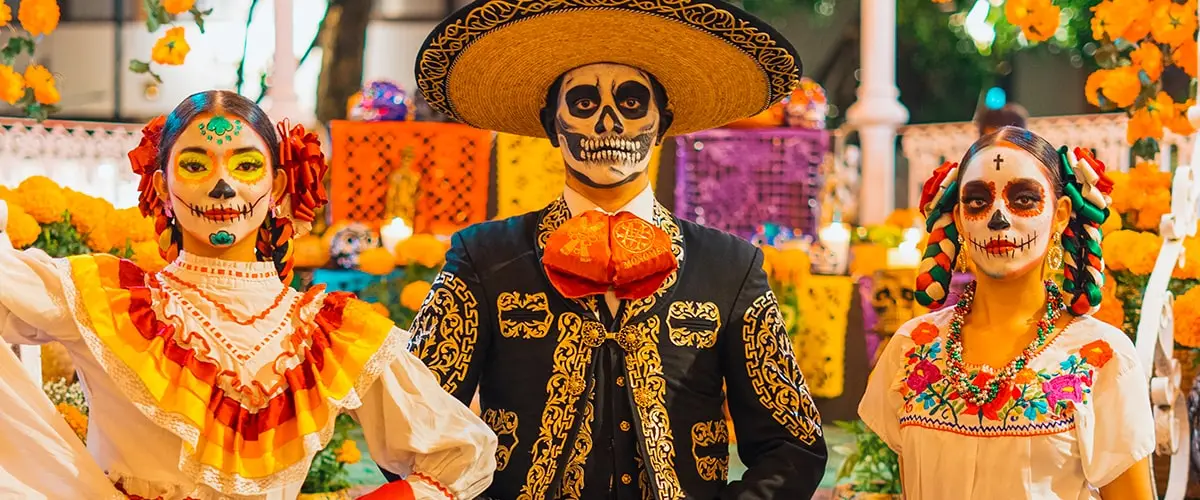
498	238
715	243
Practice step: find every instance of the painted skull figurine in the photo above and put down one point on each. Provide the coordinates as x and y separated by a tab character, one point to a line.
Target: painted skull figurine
219	180
1006	211
606	118
350	241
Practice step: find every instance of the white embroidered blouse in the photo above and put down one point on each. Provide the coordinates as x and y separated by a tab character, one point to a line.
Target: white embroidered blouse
290	362
1072	421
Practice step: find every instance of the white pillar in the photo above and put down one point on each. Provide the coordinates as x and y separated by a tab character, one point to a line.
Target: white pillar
284	102
877	113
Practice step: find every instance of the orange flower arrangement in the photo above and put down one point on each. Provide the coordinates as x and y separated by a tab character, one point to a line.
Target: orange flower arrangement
38	78
23	230
38	17
171	49
177	7
75	419
413	294
12	85
1131	251
1187	318
1149	58
1120	85
423	249
1038	19
348	452
1184	56
5	14
42	198
376	261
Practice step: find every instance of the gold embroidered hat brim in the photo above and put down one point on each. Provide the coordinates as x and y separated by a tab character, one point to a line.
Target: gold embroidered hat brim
490	64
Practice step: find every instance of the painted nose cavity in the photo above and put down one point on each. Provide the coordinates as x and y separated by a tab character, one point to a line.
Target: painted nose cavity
222	191
608	112
998	222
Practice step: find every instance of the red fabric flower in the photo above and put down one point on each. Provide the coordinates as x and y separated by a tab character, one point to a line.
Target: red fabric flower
301	157
924	333
144	160
930	189
1105	185
1097	353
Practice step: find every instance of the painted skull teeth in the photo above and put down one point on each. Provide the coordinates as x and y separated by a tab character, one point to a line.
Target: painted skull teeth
600	144
215	213
1003	246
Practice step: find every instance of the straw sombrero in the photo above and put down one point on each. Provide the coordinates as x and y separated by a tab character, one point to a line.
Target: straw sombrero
490	64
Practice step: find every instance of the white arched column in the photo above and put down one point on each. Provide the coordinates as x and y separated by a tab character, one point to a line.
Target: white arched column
282	92
877	113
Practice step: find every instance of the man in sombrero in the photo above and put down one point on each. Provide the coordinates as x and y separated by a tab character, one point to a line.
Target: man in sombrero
603	334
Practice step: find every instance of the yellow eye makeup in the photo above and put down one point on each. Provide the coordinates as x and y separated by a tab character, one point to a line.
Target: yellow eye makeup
192	166
248	167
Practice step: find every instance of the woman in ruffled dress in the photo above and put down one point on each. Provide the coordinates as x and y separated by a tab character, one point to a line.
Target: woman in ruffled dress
1015	391
213	378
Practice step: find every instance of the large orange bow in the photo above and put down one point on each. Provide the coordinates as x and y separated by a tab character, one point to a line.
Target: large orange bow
595	252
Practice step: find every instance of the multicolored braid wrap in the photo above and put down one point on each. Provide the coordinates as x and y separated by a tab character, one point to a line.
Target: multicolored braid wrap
1088	188
939	196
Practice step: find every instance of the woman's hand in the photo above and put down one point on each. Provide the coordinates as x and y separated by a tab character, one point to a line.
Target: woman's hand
1133	484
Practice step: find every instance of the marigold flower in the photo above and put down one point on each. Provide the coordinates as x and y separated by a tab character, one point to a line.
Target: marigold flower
12	85
377	261
348	452
1178	122
1173	23
171	49
1042	24
1187	318
1147	121
1149	58
425	250
38	78
23	230
380	308
38	17
1184	56
177	7
413	294
147	256
1119	85
42	198
5	14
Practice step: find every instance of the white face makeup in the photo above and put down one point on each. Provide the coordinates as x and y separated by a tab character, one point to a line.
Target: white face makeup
1006	211
606	121
219	180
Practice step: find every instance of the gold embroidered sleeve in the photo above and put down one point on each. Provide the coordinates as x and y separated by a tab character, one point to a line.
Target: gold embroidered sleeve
776	421
446	333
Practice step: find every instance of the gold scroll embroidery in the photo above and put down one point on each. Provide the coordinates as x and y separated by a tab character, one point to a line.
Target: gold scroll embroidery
693	324
649	386
572	483
666	222
445	330
643	480
504	423
711	434
774	373
524	315
572	358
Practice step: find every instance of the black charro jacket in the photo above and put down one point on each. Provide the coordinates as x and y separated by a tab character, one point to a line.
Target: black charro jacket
587	405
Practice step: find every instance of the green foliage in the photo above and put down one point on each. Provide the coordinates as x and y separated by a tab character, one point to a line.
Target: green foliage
870	466
388	292
326	474
60	239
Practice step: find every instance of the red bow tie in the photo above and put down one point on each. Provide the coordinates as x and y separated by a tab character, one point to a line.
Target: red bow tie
595	252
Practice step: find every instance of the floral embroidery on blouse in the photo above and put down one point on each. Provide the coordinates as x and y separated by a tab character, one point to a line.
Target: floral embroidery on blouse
1033	403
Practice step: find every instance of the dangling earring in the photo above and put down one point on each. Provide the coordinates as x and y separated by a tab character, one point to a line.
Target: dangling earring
960	261
1054	258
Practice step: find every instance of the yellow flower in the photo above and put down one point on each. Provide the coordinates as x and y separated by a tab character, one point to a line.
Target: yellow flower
1112	224
1173	23
310	251
1043	23
1155	204
423	249
5	14
87	212
177	7
376	261
171	49
1149	58
12	85
42	198
1119	85
1187	318
1112	311
1191	260
38	17
23	230
414	294
1184	56
75	419
146	255
38	78
348	452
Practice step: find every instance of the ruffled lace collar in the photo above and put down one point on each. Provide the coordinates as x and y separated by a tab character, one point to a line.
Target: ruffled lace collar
218	273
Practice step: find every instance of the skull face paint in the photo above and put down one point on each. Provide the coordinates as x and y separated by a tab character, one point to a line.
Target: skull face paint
219	180
606	122
1006	211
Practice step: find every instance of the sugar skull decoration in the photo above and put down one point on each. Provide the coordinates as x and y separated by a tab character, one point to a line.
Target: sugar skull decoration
894	299
606	119
347	242
806	107
380	101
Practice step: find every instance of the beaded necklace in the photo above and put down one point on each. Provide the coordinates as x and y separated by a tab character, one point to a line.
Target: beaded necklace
959	376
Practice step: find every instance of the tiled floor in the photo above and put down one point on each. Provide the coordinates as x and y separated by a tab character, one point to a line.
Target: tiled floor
366	473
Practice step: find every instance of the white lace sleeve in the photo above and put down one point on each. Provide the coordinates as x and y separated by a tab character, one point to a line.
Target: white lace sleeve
416	429
32	307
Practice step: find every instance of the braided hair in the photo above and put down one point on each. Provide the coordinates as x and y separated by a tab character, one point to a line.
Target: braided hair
275	234
1074	174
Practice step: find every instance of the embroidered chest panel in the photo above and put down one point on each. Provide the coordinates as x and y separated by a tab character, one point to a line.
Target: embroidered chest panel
1034	403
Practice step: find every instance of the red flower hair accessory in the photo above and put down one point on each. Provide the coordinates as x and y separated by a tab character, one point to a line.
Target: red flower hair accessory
301	157
144	160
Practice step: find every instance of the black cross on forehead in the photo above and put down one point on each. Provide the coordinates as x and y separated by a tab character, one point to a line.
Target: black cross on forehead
998	161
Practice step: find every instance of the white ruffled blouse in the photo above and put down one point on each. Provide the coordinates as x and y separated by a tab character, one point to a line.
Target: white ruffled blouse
410	423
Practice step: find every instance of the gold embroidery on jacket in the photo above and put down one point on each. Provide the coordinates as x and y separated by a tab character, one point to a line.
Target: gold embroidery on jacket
572	483
504	423
524	315
643	480
694	324
645	376
445	330
774	373
554	216
711	434
665	221
572	359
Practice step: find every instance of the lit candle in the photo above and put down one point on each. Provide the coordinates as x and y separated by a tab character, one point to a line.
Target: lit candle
906	256
393	233
835	238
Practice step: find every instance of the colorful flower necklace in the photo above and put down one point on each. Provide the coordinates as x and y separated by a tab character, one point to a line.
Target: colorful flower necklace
962	379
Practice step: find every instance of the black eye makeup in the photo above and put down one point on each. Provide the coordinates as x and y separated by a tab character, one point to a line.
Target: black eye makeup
977	198
1025	197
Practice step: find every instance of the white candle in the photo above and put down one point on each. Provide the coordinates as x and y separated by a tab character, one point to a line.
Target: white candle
906	256
836	239
393	233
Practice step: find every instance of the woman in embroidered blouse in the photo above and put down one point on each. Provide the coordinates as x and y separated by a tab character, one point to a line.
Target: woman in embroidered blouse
211	378
1015	392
